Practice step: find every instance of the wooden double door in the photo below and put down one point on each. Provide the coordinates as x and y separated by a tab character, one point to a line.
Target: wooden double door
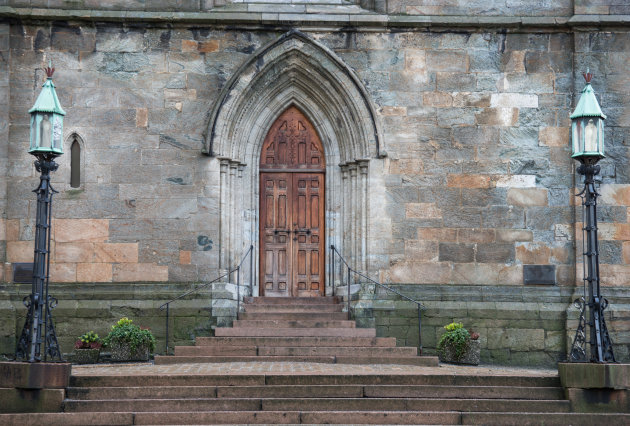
292	206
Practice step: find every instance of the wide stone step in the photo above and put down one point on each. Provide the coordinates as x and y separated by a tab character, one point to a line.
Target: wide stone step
326	316
295	332
337	351
296	341
296	417
216	350
547	419
330	359
465	392
306	323
312	308
315	404
292	300
253	379
144	392
66	419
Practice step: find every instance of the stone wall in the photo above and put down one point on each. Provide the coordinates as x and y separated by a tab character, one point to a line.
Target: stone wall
481	7
473	183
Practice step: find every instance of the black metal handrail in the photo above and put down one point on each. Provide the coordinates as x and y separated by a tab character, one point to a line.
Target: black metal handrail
229	273
350	271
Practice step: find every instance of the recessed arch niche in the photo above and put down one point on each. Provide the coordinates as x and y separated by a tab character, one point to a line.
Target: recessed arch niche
294	70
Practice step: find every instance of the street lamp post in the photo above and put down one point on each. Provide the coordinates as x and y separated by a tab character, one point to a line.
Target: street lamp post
45	144
587	134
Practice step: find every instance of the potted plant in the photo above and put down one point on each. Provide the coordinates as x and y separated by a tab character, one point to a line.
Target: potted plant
87	348
458	345
129	342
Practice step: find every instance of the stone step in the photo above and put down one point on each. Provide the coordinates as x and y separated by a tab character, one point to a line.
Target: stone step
292	300
307	323
358	351
314	391
327	316
330	359
316	404
271	379
296	341
295	332
313	417
312	308
216	350
337	351
296	417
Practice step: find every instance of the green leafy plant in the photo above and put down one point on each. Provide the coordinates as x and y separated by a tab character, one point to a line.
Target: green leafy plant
89	340
457	338
125	332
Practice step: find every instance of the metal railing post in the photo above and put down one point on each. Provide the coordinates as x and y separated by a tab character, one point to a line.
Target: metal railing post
238	290
349	317
419	330
251	270
167	313
332	254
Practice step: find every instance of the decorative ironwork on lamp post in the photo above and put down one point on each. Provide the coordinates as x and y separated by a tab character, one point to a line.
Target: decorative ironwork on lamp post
45	145
587	134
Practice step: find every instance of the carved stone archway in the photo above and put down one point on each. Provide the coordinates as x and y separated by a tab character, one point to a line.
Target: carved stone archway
294	71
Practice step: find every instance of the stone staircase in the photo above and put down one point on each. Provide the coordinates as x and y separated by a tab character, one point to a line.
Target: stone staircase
302	329
308	398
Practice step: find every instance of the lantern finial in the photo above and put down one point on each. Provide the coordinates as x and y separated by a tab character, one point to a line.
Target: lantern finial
49	69
588	76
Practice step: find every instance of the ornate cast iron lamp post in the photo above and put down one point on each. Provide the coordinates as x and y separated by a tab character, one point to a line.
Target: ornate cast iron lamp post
587	134
46	144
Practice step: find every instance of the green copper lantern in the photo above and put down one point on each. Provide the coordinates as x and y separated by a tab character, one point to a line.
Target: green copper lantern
587	126
47	121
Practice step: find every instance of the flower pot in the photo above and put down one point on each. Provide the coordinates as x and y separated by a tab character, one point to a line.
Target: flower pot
121	351
471	355
86	356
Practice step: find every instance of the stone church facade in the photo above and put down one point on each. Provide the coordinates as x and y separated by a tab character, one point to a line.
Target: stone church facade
444	156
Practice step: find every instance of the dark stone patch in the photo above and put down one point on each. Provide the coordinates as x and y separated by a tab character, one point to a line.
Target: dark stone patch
452	252
539	274
495	253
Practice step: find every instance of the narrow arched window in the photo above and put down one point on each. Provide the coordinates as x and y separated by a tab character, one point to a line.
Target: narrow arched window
75	164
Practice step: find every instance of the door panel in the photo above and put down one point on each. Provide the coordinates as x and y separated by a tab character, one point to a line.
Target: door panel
292	208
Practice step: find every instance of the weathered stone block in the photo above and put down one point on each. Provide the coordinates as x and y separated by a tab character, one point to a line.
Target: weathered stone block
438	234
498	117
446	61
20	251
73	252
423	211
462	253
527	197
469	181
466	235
437	99
80	230
513	100
94	272
116	252
63	272
143	272
495	253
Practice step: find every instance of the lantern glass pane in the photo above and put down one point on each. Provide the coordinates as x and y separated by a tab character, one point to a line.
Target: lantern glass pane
591	133
57	132
576	136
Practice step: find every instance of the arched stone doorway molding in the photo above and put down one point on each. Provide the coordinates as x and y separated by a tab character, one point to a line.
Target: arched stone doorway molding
294	70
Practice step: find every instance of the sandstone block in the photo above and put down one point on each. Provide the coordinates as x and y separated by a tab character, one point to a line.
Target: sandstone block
189	46
73	252
422	211
142	117
421	250
497	117
420	273
533	254
468	181
208	46
475	235
140	272
411	166
80	230
626	252
446	61
615	194
12	227
516	181
416	60
511	235
615	275
438	234
94	272
461	253
116	252
20	251
63	272
487	274
437	99
495	253
554	136
513	100
184	257
3	230
392	110
527	197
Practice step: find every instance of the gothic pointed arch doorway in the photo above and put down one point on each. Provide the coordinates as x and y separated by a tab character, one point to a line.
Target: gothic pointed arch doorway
292	206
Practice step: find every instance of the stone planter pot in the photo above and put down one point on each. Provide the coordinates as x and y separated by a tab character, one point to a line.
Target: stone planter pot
86	356
470	357
123	352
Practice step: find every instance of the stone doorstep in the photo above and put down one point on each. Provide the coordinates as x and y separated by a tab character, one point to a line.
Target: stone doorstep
38	375
594	376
